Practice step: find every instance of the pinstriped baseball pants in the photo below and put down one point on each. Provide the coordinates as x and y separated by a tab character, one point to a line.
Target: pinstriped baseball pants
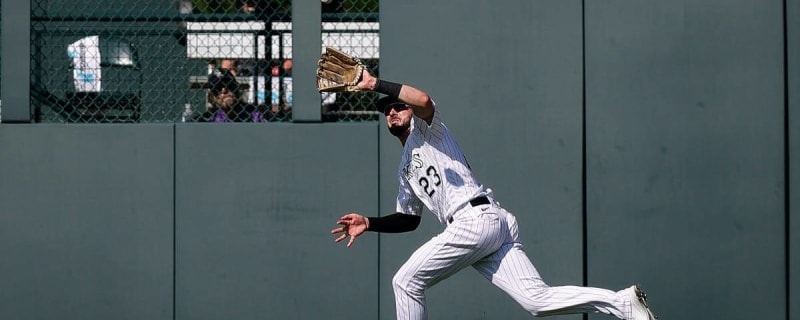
489	242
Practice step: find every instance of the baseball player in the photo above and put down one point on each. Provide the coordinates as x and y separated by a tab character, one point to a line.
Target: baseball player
478	232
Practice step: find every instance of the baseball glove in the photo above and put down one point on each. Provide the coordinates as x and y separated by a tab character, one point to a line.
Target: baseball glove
338	71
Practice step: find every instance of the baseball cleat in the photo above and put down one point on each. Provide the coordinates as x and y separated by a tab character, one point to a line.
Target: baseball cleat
639	308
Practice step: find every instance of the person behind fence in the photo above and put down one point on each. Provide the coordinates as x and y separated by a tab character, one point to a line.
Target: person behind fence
224	94
229	65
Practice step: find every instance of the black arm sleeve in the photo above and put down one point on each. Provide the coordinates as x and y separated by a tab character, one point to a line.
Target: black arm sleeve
391	89
394	223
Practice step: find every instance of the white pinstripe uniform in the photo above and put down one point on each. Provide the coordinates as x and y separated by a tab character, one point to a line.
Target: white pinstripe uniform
434	172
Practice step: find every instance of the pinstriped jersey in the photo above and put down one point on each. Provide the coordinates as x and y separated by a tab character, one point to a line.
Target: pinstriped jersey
434	172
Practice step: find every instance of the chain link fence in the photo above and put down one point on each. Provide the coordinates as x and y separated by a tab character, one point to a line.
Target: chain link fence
352	26
152	61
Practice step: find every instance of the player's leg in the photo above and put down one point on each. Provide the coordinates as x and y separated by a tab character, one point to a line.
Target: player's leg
459	245
510	269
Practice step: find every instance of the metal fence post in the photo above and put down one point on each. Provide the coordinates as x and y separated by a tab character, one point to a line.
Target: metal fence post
306	48
15	40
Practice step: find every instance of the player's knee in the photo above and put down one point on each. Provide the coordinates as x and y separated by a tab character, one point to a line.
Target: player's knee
404	283
400	281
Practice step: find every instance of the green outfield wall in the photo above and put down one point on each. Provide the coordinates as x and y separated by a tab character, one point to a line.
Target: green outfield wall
636	141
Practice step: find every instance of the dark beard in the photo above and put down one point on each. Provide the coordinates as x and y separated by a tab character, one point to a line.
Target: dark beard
398	131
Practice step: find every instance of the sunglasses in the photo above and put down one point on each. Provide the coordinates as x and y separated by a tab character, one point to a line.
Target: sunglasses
396	107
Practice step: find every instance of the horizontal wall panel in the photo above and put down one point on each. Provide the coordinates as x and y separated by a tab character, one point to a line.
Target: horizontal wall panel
685	179
254	208
86	222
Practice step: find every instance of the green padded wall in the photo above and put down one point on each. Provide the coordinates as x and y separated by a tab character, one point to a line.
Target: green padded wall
685	179
86	222
254	208
684	114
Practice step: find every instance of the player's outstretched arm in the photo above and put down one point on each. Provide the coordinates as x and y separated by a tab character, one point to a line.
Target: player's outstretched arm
354	224
419	100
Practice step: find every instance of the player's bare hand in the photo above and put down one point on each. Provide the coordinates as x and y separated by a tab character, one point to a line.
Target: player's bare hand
367	82
352	225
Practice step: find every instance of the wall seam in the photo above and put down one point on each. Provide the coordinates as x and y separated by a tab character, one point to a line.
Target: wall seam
583	138
174	218
378	264
786	163
584	220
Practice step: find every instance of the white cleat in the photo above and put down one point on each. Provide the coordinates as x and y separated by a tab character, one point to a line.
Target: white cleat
639	308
